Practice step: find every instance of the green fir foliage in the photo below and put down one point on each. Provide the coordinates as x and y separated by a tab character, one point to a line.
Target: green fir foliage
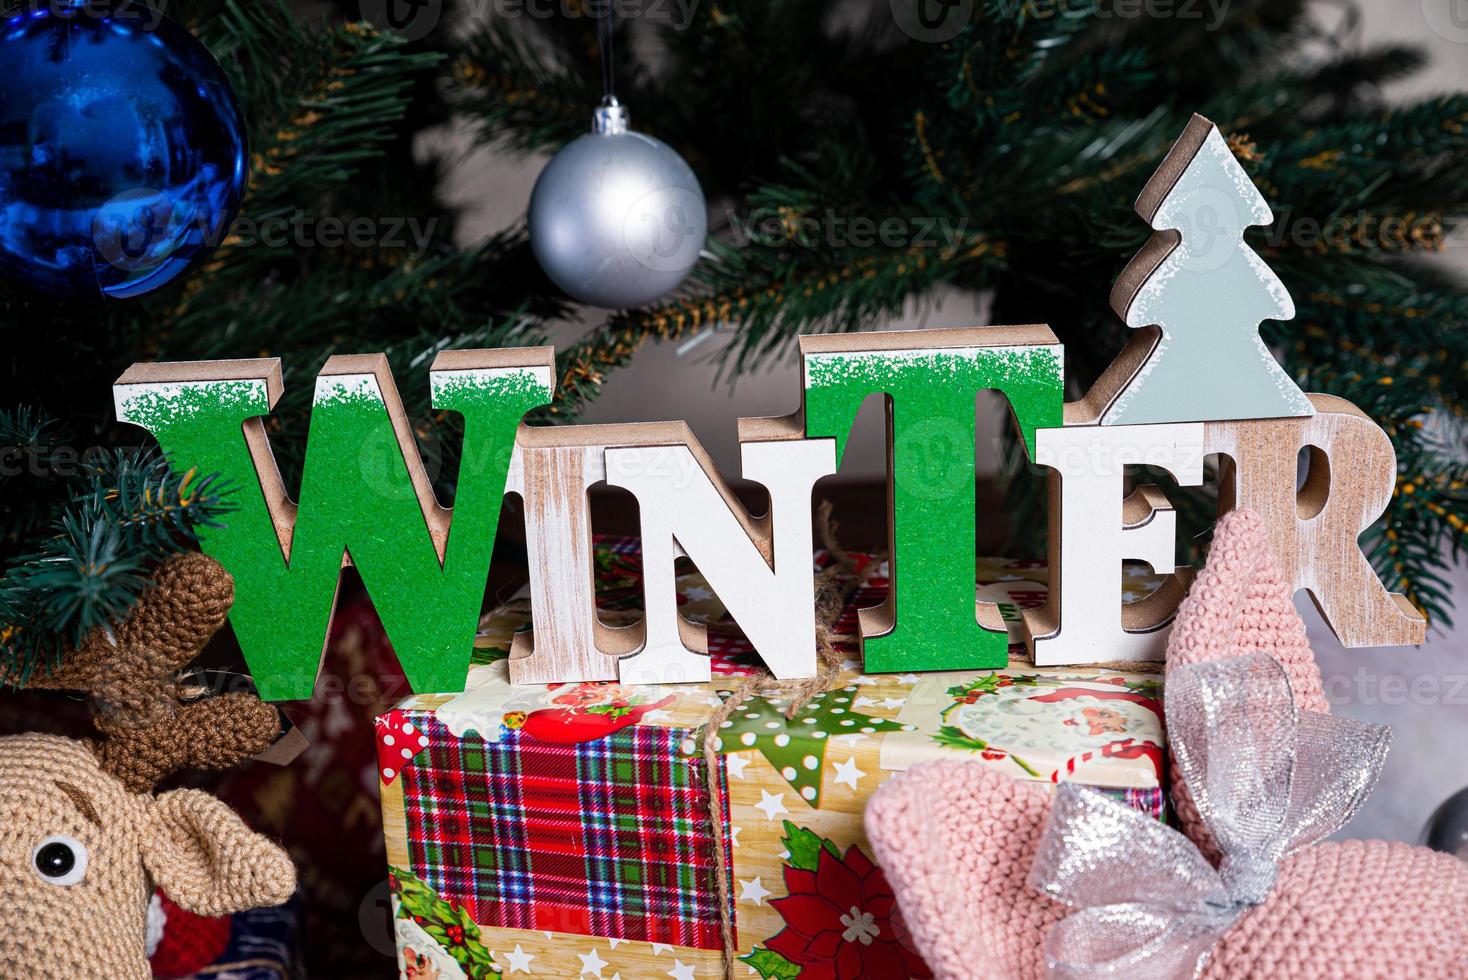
1007	157
82	533
1002	161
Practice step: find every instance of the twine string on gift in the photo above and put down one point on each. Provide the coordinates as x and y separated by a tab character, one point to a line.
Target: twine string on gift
1129	666
832	589
831	594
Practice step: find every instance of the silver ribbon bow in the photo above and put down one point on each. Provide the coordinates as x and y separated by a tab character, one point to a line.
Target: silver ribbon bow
1268	780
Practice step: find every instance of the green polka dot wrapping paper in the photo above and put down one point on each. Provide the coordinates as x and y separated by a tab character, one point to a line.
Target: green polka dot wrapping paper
565	830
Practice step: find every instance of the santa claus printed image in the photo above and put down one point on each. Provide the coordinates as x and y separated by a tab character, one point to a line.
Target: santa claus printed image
585	713
566	714
1052	727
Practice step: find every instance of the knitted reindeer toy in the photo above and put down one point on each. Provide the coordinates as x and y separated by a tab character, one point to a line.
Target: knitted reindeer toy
83	838
1004	880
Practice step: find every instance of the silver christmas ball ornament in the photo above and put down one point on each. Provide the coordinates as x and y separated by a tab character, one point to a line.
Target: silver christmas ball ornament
617	219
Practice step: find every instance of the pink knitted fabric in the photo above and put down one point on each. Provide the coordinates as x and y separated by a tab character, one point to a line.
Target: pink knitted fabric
957	840
1238	605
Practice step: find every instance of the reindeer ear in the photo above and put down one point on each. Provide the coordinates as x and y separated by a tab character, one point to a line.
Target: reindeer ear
206	859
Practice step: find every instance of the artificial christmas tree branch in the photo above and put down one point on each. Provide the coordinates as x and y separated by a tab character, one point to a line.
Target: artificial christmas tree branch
79	551
1031	131
1022	134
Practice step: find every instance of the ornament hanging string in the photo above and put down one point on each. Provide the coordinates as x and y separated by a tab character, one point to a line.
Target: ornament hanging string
606	45
617	218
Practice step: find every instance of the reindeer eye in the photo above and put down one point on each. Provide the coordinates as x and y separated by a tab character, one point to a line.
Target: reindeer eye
60	860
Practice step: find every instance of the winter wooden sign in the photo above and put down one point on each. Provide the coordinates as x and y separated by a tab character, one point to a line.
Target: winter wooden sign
760	567
1196	381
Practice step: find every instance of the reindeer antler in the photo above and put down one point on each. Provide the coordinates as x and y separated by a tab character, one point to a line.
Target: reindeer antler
149	729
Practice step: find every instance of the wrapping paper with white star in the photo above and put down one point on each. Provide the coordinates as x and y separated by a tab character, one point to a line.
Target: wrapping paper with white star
564	830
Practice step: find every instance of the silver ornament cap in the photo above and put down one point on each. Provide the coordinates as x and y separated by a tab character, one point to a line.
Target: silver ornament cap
610	118
617	219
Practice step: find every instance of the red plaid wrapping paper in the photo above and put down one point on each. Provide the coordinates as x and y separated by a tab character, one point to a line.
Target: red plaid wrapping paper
564	831
605	838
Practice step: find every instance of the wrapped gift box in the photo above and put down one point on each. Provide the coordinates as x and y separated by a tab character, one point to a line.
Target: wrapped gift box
566	831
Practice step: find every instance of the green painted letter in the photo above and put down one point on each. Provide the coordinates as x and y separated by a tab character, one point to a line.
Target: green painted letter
931	379
365	498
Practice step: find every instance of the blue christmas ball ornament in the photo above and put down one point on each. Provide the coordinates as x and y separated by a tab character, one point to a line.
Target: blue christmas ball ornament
122	150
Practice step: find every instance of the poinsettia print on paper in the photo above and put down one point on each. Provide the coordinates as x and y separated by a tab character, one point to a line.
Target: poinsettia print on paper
841	919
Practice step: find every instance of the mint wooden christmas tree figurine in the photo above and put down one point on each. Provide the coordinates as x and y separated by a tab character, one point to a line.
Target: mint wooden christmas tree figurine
1197	294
